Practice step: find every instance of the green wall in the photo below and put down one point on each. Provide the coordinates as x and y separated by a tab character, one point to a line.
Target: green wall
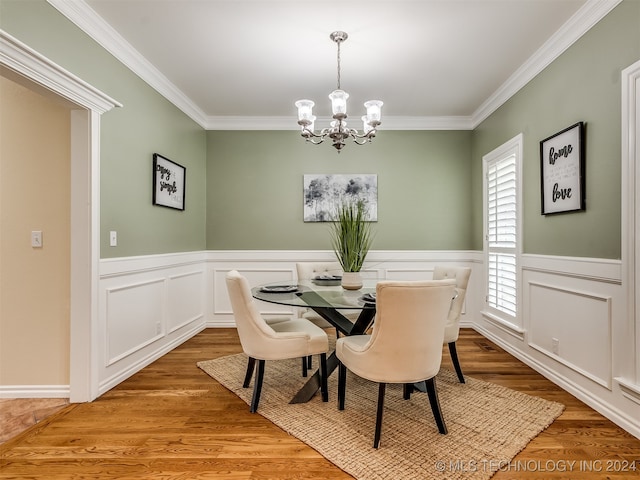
583	84
244	189
147	123
255	183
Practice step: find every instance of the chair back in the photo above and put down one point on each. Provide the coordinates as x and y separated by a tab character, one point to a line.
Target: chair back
253	331
461	276
406	344
310	270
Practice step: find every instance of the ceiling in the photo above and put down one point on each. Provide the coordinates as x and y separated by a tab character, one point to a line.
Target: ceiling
243	64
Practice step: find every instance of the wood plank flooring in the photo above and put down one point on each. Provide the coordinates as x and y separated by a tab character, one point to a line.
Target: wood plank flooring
172	421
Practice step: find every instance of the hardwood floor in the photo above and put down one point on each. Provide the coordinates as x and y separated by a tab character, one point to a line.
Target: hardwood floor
18	414
171	420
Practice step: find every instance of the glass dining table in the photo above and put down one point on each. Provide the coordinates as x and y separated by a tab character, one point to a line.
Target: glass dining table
327	298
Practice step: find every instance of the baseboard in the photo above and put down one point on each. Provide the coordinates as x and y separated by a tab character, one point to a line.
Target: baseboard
34	391
122	375
629	424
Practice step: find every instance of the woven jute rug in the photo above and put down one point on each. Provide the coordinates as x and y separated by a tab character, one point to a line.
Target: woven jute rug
488	424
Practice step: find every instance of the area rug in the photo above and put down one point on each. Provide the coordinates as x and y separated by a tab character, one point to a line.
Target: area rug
488	424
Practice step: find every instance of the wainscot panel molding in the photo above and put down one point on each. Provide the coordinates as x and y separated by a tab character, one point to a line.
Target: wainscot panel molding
148	305
573	313
580	302
279	265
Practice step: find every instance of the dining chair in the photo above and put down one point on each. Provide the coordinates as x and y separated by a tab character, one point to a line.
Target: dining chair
404	347
261	341
452	329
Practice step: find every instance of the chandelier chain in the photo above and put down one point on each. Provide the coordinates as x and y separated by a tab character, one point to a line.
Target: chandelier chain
339	64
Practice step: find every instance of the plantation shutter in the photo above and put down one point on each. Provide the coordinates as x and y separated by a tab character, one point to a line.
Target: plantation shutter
501	234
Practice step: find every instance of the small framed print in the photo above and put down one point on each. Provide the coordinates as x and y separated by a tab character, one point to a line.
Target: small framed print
562	171
168	182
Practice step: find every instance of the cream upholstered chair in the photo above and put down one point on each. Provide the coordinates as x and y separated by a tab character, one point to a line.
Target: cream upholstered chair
280	340
405	345
452	329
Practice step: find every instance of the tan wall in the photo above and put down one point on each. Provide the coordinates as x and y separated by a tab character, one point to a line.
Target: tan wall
34	195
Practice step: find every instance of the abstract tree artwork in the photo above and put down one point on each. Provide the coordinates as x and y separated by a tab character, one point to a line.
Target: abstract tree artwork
324	192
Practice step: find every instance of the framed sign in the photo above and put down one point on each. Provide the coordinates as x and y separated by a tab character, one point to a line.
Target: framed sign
168	182
562	171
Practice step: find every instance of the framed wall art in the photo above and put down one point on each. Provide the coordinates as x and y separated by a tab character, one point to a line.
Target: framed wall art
562	177
324	192
168	182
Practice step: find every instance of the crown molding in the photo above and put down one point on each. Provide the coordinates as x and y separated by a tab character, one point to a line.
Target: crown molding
83	16
288	123
19	58
580	23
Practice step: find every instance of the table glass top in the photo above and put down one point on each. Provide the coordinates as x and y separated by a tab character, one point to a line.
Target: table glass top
309	293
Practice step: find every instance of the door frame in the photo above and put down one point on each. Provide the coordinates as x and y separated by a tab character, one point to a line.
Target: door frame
26	66
631	208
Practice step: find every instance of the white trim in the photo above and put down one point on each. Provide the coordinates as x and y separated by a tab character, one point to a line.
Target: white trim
504	325
88	104
596	269
629	390
34	391
133	368
82	15
514	147
286	123
630	85
580	23
621	418
22	59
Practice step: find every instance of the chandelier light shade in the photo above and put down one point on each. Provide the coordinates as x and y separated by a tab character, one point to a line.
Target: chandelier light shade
338	131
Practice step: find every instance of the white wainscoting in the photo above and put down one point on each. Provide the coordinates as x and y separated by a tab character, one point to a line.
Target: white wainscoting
573	313
147	306
274	266
151	304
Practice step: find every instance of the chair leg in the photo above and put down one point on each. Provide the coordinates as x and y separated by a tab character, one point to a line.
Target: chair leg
310	361
342	384
324	387
456	363
257	387
381	390
304	366
247	377
435	405
407	389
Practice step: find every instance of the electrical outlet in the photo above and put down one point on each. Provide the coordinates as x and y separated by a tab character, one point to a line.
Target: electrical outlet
113	238
158	328
36	239
554	345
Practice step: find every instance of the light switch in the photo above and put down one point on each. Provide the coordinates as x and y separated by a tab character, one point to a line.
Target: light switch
36	239
113	238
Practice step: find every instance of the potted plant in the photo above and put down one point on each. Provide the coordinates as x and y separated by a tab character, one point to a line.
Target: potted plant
351	238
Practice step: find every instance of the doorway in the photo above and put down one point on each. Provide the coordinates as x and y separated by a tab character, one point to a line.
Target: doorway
25	66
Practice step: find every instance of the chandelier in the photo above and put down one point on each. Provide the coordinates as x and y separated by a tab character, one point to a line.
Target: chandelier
338	131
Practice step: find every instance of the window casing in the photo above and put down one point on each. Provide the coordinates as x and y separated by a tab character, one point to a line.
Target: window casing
502	187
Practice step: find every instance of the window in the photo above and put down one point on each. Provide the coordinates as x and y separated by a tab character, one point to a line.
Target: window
501	204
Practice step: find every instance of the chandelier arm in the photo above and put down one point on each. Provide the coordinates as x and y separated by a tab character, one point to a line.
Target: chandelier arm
368	135
308	133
